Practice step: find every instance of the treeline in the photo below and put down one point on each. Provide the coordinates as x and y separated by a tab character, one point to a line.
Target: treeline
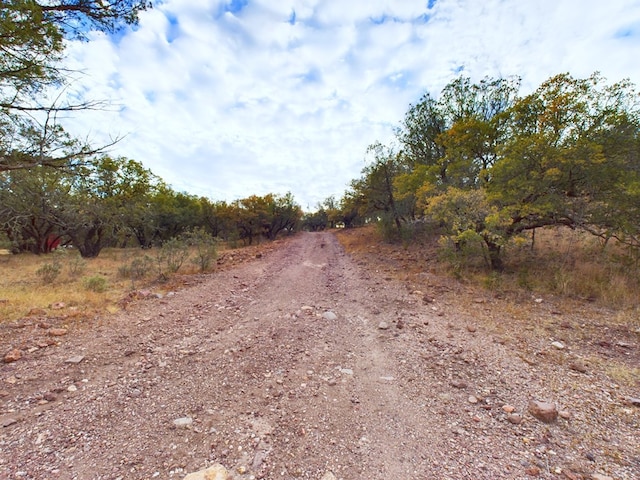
116	202
482	165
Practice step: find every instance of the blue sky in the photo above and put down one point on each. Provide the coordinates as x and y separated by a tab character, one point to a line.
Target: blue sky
227	99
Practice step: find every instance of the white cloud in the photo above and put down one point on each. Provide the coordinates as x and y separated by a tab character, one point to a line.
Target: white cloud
286	96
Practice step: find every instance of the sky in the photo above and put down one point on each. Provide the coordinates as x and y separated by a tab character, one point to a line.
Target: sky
231	98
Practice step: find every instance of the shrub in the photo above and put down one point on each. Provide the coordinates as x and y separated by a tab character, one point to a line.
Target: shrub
77	265
171	256
205	248
96	284
48	272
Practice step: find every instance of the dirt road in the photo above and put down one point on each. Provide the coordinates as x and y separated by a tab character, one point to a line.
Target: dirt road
297	364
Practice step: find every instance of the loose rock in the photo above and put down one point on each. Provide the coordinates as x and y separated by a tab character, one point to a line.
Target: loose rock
328	476
13	356
383	326
329	315
632	401
8	422
514	418
184	422
544	411
558	345
215	472
58	332
461	384
578	366
75	359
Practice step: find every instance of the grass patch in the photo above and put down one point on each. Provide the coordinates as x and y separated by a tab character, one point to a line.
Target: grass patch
85	286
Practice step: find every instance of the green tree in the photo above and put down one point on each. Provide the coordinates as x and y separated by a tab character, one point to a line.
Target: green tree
28	199
571	158
283	214
32	44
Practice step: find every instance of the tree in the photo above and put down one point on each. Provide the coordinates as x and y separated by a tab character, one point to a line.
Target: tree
106	200
376	186
28	199
283	215
32	37
571	157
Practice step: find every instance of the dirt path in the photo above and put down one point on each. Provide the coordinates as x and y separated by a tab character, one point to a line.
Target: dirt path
294	365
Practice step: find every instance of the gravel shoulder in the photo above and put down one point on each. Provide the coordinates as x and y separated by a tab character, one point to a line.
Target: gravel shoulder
307	362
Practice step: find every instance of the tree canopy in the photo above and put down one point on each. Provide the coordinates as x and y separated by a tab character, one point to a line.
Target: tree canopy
32	35
484	162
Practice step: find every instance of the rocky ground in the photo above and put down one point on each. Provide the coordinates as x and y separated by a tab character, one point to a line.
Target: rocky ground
306	362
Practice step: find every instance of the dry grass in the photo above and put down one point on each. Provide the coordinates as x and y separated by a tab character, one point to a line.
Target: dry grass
566	288
22	288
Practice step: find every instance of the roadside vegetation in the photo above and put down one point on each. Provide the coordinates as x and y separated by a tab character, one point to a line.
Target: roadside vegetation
536	191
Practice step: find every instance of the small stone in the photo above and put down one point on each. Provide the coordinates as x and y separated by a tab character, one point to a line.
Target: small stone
37	312
544	411
72	388
328	476
514	418
578	366
58	332
461	384
558	345
508	408
13	356
49	397
472	399
564	414
598	476
329	316
346	371
75	359
215	472
533	471
471	328
383	326
7	422
635	402
58	305
306	308
183	422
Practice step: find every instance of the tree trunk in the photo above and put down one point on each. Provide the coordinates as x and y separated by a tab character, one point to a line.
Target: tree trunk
495	259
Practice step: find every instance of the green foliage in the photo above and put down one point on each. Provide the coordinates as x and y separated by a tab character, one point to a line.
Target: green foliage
316	221
136	269
48	272
32	35
172	255
76	266
96	284
488	165
204	246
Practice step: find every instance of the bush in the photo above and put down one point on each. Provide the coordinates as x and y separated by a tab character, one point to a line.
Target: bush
205	248
171	256
96	284
135	270
77	265
48	272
